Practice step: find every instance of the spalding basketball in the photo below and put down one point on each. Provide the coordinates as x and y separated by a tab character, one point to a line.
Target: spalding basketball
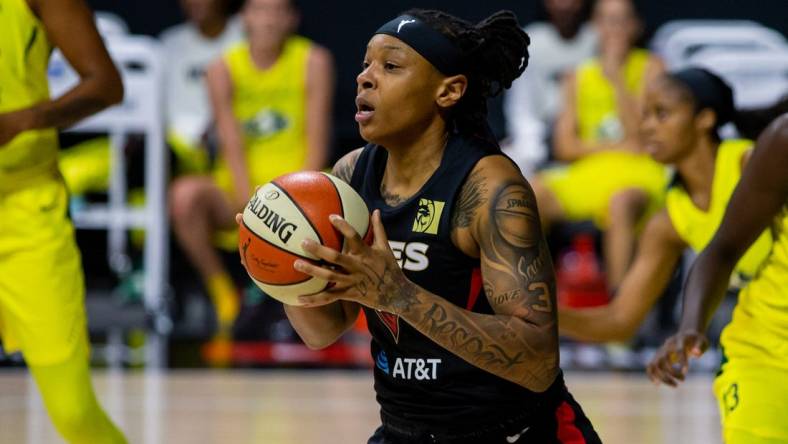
284	212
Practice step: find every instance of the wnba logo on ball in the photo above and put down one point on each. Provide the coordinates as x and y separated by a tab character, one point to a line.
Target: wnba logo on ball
428	216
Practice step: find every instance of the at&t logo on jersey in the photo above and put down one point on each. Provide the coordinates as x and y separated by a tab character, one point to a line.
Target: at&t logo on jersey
408	369
382	362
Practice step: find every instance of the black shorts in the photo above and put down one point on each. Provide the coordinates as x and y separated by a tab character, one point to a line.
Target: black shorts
567	424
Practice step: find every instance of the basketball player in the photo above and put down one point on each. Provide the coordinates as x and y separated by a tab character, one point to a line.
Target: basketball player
461	300
609	179
751	385
42	310
683	112
271	98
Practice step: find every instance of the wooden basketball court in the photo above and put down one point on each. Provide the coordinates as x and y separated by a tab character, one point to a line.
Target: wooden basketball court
294	407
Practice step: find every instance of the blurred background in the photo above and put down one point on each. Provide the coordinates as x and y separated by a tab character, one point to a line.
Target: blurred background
147	305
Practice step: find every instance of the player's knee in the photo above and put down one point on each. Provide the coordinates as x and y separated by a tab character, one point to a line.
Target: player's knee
184	198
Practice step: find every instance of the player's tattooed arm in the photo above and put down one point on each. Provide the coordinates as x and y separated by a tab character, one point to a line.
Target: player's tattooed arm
520	341
345	166
519	280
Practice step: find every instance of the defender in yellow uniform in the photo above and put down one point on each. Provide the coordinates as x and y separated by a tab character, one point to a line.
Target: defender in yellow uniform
682	114
697	226
271	97
752	385
609	179
42	309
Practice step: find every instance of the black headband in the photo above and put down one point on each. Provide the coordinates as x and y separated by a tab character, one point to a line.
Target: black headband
709	91
431	44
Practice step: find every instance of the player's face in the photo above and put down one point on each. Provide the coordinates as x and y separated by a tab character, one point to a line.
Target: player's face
616	21
668	126
269	22
396	91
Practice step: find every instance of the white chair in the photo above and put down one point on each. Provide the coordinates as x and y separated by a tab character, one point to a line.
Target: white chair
758	78
681	45
667	29
140	63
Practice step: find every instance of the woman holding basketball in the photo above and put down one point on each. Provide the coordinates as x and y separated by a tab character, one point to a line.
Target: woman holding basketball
458	286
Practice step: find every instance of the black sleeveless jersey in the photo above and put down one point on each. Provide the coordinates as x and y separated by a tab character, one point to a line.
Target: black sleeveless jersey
416	379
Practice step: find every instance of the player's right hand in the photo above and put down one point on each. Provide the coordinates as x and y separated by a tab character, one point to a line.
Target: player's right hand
671	362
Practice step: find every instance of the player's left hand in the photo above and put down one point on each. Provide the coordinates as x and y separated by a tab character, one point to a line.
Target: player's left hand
367	274
11	124
671	362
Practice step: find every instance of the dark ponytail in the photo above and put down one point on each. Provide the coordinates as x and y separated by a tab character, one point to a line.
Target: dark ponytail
496	53
706	90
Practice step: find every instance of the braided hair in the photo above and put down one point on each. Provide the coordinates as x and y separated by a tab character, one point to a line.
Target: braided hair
704	89
496	53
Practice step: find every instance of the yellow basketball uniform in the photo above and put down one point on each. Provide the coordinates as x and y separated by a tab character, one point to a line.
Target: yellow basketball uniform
270	105
696	227
752	386
41	283
584	188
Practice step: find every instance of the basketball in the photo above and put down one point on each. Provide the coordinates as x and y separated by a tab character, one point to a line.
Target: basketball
283	213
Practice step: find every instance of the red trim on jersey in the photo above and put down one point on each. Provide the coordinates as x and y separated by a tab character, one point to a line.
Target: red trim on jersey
568	433
476	286
391	321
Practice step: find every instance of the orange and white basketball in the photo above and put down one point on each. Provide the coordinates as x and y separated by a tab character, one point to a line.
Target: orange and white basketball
284	212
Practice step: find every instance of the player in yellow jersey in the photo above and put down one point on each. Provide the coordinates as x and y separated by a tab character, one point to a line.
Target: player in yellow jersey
42	310
271	97
609	180
752	384
683	111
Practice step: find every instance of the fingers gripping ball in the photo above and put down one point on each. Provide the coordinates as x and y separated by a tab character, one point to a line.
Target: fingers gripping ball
284	212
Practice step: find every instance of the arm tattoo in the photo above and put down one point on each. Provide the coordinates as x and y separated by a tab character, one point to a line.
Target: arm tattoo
394	290
344	168
516	256
470	199
520	341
